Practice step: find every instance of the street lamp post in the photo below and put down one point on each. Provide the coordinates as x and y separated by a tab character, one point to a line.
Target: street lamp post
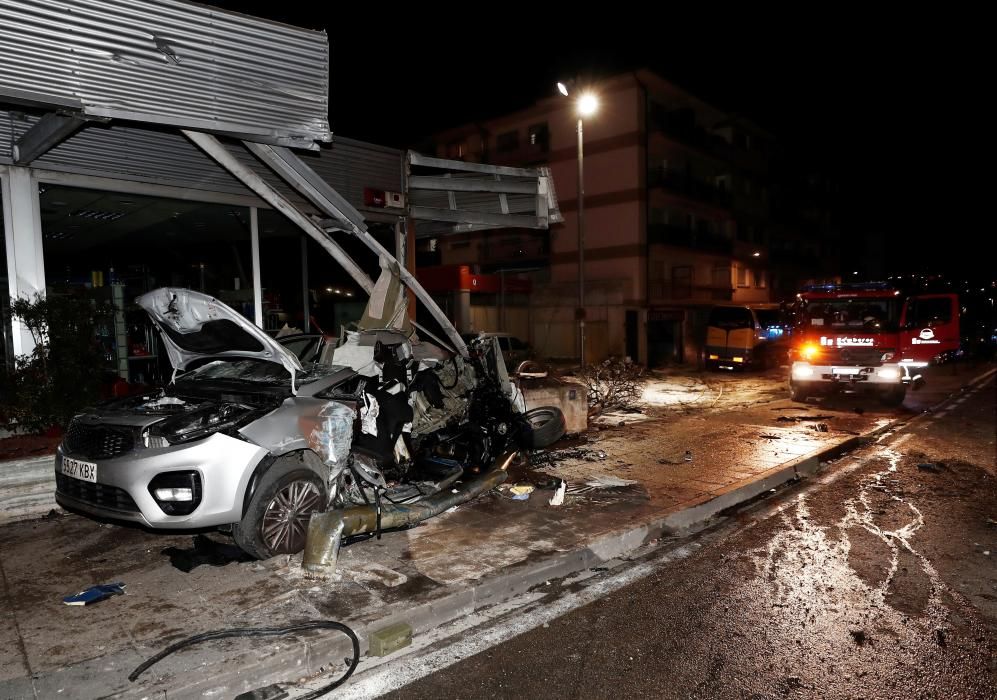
587	104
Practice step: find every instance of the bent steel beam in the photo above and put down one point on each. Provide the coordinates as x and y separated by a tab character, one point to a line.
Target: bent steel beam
214	148
303	179
46	133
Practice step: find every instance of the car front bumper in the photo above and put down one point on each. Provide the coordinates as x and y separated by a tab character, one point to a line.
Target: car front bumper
224	465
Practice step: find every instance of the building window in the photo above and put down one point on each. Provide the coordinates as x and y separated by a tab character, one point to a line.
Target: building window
742	276
539	137
682	281
455	150
509	141
721	276
760	281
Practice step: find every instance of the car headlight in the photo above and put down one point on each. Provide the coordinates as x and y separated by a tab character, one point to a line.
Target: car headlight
802	371
889	373
202	423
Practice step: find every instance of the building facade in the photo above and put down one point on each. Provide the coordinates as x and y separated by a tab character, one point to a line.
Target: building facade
677	217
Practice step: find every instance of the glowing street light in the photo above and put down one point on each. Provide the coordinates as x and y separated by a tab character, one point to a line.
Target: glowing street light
587	104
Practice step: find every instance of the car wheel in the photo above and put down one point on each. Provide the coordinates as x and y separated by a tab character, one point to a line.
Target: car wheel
276	521
544	426
894	396
797	393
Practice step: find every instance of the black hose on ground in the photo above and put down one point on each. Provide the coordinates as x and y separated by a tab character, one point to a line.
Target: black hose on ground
264	632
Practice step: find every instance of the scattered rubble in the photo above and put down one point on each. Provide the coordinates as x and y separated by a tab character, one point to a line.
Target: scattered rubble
558	498
551	458
800	419
95	594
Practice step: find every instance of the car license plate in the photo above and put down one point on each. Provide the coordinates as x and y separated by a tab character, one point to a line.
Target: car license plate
78	469
845	370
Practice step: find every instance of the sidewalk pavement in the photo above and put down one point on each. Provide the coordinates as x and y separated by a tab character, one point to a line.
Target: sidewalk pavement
628	486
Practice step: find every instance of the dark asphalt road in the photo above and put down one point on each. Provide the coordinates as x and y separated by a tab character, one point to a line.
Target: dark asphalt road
878	583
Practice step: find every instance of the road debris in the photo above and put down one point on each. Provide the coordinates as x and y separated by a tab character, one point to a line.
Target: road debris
770	437
552	457
95	594
558	497
800	419
688	456
522	489
602	481
820	427
928	466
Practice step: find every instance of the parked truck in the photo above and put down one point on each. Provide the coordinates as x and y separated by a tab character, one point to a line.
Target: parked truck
869	337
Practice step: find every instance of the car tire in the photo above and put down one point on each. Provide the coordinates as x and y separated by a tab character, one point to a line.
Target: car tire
276	520
543	427
798	393
894	396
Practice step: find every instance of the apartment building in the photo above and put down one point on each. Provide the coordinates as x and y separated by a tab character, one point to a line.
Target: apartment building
676	217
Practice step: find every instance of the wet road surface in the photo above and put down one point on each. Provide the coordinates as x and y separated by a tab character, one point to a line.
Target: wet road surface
877	581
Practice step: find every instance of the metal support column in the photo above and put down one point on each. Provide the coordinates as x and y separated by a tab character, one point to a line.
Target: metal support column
25	254
305	297
254	240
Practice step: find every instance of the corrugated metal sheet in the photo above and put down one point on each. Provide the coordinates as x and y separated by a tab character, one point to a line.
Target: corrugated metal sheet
168	62
6	136
350	166
168	158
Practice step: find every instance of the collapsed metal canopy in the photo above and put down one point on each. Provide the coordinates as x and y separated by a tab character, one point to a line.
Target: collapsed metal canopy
166	62
201	71
449	196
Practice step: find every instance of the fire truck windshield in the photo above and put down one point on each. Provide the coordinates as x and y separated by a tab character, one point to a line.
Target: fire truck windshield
867	314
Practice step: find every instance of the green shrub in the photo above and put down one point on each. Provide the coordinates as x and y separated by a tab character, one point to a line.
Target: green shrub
64	372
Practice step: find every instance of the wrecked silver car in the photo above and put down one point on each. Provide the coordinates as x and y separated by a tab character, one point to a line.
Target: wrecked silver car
245	437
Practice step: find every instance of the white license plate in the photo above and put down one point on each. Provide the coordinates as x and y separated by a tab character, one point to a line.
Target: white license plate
845	370
78	469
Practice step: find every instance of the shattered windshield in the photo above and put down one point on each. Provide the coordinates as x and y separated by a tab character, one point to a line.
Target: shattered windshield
855	313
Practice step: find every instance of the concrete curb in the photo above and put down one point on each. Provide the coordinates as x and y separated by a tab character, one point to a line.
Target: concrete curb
217	671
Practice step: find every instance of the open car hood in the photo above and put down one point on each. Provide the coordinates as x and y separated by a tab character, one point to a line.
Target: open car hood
195	326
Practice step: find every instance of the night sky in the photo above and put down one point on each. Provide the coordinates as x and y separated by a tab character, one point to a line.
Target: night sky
889	105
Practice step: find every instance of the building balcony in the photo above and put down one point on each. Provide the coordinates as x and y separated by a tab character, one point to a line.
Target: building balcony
682	237
688	187
680	125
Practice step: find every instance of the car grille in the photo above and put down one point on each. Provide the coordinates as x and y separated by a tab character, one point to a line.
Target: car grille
100	495
98	441
866	357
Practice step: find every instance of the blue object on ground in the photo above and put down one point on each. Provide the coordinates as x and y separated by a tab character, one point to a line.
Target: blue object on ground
94	593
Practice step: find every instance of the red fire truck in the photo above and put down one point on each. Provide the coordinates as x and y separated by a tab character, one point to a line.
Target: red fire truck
870	337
